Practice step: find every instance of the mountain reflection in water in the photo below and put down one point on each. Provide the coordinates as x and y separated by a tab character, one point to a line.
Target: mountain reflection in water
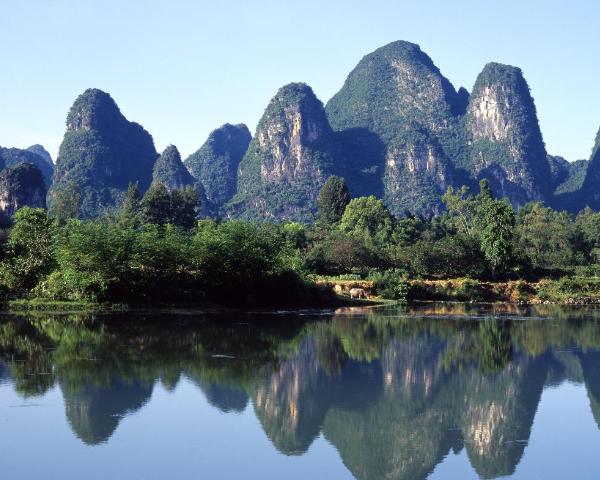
393	390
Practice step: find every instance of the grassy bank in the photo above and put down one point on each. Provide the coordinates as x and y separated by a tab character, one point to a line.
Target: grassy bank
566	290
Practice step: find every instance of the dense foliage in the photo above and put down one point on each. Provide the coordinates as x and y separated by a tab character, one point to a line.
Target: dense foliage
21	185
11	157
333	199
170	171
215	164
101	153
155	249
288	160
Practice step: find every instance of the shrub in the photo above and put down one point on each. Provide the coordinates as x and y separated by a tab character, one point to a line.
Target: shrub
391	285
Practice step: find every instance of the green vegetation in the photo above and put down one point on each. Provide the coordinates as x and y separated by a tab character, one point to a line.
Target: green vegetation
155	250
161	207
156	255
101	154
287	161
216	163
333	198
12	157
170	171
21	185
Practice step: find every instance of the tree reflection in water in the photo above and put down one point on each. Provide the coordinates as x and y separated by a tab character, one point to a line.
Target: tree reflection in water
393	390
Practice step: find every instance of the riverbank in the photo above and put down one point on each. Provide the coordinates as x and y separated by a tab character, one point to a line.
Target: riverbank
40	305
567	290
335	293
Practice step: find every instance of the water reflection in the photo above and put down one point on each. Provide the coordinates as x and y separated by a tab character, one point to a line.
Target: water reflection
393	391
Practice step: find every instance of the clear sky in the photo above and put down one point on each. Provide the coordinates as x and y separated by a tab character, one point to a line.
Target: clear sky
183	68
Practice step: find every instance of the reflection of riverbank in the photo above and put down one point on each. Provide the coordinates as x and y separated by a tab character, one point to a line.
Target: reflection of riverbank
393	389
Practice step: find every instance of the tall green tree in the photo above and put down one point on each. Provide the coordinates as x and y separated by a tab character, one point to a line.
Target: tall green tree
333	199
184	206
367	216
497	231
130	213
30	249
66	204
179	207
156	205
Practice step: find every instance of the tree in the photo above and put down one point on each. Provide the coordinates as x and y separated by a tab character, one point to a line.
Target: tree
180	207
588	223
184	206
130	214
333	199
546	239
367	216
92	257
30	249
465	208
156	205
66	204
497	230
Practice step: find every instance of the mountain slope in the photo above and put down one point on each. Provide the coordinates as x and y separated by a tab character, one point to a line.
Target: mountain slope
11	157
21	185
216	163
590	193
503	132
288	159
101	154
399	99
170	171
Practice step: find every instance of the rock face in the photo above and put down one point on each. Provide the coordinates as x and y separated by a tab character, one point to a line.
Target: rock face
21	185
42	152
101	154
398	97
567	177
590	191
170	171
397	129
215	164
506	144
10	157
417	173
288	159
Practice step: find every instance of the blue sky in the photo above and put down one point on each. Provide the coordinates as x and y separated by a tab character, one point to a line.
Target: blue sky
183	68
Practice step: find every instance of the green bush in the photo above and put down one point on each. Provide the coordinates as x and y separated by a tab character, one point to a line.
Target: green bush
468	290
392	285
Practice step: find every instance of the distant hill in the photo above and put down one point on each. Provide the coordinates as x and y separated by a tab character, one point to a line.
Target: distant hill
101	154
397	129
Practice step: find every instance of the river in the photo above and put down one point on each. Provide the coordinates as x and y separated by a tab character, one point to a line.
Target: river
437	391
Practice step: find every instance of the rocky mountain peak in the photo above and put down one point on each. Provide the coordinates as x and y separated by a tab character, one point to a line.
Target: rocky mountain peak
294	119
395	83
216	163
505	139
289	157
101	154
498	91
404	113
170	171
21	185
11	157
42	152
93	109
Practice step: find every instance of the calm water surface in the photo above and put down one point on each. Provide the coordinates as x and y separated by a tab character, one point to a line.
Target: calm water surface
437	391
